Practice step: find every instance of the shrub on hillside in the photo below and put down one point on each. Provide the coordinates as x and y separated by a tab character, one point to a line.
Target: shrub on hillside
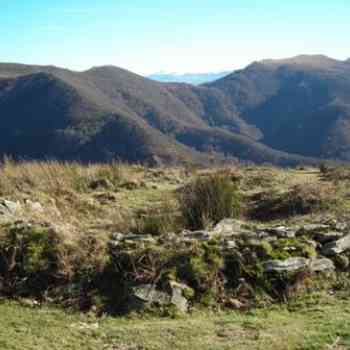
299	200
195	264
208	200
30	259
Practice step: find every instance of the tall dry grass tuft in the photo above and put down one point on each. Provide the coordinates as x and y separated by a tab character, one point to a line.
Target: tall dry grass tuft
55	177
207	200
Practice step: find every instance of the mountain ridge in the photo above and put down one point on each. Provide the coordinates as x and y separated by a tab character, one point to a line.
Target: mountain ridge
107	113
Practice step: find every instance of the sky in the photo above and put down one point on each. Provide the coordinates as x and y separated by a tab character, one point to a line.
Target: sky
148	36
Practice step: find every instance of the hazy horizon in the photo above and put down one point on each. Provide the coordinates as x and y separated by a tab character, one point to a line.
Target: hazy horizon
150	37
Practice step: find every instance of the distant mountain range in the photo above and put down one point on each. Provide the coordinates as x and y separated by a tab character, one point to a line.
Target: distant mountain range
188	78
283	112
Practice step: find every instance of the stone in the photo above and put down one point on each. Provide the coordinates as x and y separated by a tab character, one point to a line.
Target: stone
340	226
138	238
341	261
150	295
337	247
288	265
229	245
311	228
177	296
235	304
282	232
131	239
201	235
320	265
326	237
9	207
34	206
228	227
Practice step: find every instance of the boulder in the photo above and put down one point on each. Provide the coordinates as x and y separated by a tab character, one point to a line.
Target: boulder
228	227
299	263
312	228
130	238
320	265
148	294
326	237
9	207
177	296
34	206
337	247
282	232
139	238
288	265
201	235
8	210
229	245
235	304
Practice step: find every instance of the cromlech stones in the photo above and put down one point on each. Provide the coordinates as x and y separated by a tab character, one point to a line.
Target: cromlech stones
320	265
8	207
177	271
299	264
288	265
150	295
282	232
337	247
8	210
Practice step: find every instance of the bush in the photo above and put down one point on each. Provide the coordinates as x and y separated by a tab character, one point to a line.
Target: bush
299	200
30	259
197	265
208	200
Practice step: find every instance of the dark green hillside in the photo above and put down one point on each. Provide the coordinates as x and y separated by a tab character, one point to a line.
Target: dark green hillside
300	105
283	112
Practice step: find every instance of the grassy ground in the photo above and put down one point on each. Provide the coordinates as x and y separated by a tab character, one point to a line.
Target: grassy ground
318	324
76	206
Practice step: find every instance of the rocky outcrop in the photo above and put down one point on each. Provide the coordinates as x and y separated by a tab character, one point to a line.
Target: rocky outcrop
288	265
299	264
337	247
150	295
8	210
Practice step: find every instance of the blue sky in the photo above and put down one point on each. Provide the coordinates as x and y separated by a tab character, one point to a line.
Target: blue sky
146	36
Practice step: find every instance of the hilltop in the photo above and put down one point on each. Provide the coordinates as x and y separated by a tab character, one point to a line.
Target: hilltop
284	112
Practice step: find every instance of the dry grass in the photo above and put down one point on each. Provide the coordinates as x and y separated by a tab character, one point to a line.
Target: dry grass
96	198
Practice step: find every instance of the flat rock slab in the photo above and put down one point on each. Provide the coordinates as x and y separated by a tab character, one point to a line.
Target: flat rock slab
198	235
320	265
8	207
288	265
326	237
337	247
148	294
230	227
282	232
298	264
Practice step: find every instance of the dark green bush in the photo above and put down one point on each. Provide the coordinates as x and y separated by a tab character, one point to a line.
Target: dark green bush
208	200
30	258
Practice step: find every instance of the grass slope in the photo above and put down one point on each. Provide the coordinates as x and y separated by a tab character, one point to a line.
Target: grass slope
317	324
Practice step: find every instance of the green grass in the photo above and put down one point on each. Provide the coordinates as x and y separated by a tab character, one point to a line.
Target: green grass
314	326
